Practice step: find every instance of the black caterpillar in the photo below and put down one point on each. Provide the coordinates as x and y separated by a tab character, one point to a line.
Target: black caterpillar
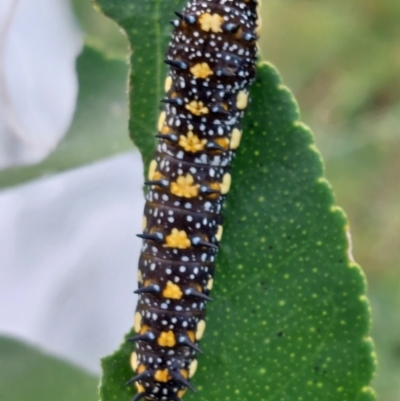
212	56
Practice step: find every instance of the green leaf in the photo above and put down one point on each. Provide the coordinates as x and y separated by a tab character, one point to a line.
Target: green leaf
290	319
99	127
28	374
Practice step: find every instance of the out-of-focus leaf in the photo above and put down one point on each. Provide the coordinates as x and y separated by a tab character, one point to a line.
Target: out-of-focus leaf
99	128
28	374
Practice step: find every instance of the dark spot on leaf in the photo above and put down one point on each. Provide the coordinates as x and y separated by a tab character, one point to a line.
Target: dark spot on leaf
280	334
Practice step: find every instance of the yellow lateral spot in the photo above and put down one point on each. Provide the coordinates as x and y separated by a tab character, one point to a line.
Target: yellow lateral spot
177	239
190	334
139	387
192	143
166	339
134	361
197	108
144	223
144	328
218	235
161	120
185	187
182	392
161	375
201	70
139	277
201	326
152	169
211	22
224	142
138	322
226	183
193	368
242	99
236	136
168	83
210	283
141	368
172	291
184	373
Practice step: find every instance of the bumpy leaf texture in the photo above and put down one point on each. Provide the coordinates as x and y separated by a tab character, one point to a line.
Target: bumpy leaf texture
290	319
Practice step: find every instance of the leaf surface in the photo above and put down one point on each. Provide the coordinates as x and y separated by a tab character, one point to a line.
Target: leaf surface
290	319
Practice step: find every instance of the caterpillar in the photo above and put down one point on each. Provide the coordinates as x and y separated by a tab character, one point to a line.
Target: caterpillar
212	58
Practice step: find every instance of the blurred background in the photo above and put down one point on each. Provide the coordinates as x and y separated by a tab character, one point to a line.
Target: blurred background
342	61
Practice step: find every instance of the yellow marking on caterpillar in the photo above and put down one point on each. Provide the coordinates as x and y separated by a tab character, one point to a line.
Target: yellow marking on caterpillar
177	239
134	361
172	291
165	129
210	283
161	120
182	392
197	108
193	368
185	187
201	326
152	169
226	183
224	142
211	22
236	136
168	83
139	277
218	235
166	339
191	142
141	368
242	100
144	223
201	70
191	335
138	322
161	375
144	328
139	387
